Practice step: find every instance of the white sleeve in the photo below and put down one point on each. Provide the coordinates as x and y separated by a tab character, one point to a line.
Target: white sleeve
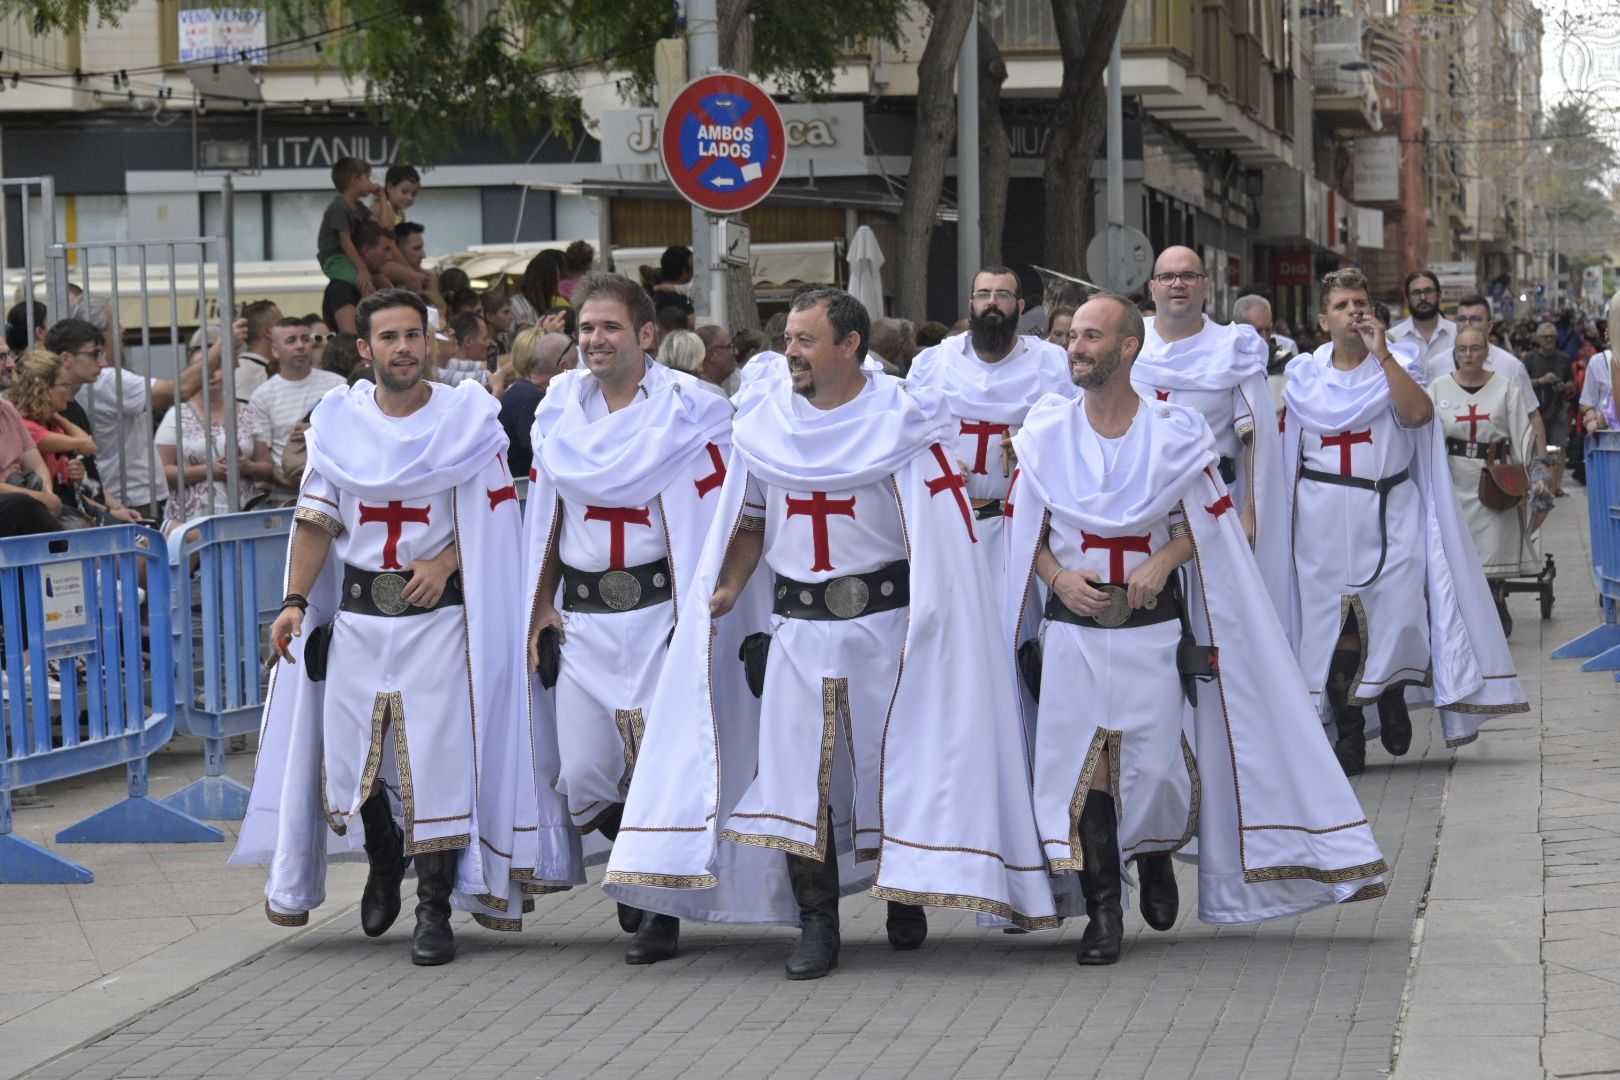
165	433
1598	381
318	504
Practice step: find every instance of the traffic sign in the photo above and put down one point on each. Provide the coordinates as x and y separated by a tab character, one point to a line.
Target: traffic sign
723	143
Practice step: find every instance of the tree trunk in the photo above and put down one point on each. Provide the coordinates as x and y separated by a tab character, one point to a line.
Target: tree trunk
995	156
936	124
736	29
1085	32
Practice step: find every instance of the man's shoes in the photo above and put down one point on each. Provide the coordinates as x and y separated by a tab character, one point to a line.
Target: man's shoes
1350	726
1161	899
907	926
1394	722
815	887
657	939
1104	936
434	942
630	918
385	851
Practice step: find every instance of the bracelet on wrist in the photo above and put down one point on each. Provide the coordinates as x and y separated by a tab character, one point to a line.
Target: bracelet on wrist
297	600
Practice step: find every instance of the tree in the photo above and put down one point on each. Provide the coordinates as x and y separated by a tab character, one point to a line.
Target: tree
1575	189
1085	33
995	154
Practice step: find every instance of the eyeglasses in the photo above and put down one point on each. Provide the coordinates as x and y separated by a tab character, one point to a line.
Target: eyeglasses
321	339
1422	292
90	354
723	348
1191	277
1001	296
1471	320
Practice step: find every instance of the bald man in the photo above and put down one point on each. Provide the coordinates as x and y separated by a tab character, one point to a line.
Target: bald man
1220	372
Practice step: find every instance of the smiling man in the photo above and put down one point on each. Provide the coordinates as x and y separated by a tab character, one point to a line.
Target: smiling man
629	457
396	629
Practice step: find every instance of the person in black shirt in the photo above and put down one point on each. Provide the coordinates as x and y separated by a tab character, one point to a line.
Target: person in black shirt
536	358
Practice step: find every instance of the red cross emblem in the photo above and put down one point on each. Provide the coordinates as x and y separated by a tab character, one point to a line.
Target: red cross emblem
1162	395
394	515
714	479
951	480
1344	441
818	508
617	518
985	432
1472	418
1116	546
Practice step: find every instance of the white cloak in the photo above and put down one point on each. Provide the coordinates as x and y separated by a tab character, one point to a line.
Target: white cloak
1221	372
1470	674
956	820
516	842
1279	830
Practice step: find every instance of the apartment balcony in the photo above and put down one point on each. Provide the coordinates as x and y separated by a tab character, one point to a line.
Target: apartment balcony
1346	96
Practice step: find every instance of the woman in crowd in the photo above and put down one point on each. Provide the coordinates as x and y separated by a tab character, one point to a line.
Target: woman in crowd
1057	328
668	281
577	261
538	298
1485	421
40	391
183	448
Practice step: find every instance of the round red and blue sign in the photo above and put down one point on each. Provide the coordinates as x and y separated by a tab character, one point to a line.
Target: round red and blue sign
723	143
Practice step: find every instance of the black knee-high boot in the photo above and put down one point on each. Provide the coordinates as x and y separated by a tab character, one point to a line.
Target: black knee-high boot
815	887
1394	723
629	917
385	851
1100	881
1349	724
1161	899
435	878
907	926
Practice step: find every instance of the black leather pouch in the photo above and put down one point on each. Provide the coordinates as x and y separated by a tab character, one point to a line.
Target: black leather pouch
550	656
756	649
316	644
1029	666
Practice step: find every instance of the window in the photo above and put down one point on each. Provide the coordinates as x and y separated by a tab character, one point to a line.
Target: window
248	209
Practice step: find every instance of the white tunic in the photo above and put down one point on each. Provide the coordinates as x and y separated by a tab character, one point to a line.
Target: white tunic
1491	414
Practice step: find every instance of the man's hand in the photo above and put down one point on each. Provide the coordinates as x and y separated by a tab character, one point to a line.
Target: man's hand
1372	336
547	616
52	503
124	513
553	322
428	577
1145	582
288	625
1009	459
364	283
721	601
75	470
1074	588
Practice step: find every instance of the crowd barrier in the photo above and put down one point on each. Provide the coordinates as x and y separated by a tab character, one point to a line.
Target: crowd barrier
1600	646
72	601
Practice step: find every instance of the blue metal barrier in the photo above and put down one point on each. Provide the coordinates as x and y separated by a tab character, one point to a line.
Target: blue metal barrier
68	599
227	575
1601	645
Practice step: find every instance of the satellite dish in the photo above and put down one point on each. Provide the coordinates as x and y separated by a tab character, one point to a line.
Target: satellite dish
1135	262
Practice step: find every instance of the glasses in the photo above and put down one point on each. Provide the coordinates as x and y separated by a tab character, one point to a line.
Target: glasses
321	339
1420	293
1001	296
723	348
1471	320
90	354
1191	277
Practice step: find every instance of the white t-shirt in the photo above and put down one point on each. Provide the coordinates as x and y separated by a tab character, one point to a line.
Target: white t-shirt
1435	352
280	403
457	370
1598	385
119	404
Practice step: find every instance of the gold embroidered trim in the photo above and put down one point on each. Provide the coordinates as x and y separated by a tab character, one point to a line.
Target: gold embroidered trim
441	843
321	499
499	903
320	519
632	727
1452	744
663	828
1367	892
383	707
1101	740
1312	873
1313	832
1246	429
279	919
964	851
589	825
661	881
1180	530
402	758
1194	804
466	639
534	888
792	847
866	854
834	706
752	524
439	820
528	906
967	903
490	922
503	854
1486	710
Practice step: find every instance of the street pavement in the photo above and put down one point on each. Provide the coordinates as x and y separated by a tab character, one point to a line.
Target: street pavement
1495	954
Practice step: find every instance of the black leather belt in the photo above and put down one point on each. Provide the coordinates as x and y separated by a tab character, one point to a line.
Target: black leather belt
1228	470
985	509
369	592
1382	487
1120	615
1465	449
884	589
629	589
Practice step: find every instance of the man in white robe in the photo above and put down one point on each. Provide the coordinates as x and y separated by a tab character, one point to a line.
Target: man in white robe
990	376
629	461
1387	588
884	751
1189	359
406	526
1120	513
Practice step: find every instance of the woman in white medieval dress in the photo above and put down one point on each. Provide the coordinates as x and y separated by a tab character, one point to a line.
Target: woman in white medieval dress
1485	418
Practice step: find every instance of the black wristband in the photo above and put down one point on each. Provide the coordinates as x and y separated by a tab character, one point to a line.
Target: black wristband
296	600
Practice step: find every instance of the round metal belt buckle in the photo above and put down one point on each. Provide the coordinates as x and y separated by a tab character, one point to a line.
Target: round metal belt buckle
1118	610
619	590
388	594
847	597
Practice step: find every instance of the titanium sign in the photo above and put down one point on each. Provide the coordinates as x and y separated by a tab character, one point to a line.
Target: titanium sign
723	143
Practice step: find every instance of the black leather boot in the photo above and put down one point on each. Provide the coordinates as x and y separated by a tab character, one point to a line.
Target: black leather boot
1394	723
1350	726
385	851
1161	899
656	939
907	926
815	887
629	917
435	878
1100	882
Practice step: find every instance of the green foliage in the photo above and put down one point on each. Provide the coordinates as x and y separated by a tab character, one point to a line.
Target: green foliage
1579	159
64	16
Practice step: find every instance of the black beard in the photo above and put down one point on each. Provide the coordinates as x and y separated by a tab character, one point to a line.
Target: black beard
993	336
1425	312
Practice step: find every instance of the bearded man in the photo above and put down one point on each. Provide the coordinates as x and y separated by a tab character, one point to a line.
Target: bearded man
1430	334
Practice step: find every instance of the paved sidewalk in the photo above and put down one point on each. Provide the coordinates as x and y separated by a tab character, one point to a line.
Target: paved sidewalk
1494	952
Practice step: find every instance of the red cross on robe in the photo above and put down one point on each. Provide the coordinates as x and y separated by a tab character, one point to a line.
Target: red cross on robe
617	518
951	480
1472	418
818	508
395	515
984	431
1116	546
715	479
1161	395
1344	440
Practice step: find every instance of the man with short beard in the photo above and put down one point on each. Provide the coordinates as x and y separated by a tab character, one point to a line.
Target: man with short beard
989	377
288	396
405	534
1189	359
1116	497
1432	334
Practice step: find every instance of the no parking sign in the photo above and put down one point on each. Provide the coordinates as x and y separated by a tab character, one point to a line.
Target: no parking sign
723	143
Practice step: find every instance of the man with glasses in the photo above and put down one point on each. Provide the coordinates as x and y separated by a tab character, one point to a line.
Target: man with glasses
1220	371
719	358
1431	333
990	376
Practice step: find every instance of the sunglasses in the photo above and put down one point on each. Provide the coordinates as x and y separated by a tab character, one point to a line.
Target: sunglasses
321	339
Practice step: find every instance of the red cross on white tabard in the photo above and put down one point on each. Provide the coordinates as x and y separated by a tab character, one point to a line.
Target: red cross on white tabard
954	482
395	515
984	431
715	479
818	508
1161	395
1473	418
1116	546
617	518
1344	440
